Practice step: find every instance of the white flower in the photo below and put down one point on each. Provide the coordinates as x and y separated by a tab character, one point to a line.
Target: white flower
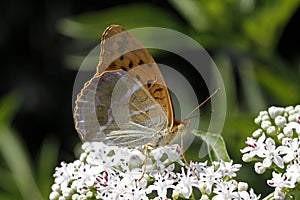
280	181
130	189
225	191
254	146
228	169
85	176
248	196
162	181
278	194
210	177
293	126
271	154
293	173
281	147
106	172
186	182
64	177
118	185
291	149
198	166
172	151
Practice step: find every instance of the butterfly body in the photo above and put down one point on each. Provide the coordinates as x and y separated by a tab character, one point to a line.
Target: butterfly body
127	102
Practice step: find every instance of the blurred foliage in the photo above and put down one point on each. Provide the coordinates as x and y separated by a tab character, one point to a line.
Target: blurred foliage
242	37
215	145
19	179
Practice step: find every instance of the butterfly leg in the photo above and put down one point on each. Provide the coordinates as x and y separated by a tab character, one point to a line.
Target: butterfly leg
185	159
145	149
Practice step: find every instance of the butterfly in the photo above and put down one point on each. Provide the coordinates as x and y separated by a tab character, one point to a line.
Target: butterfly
127	102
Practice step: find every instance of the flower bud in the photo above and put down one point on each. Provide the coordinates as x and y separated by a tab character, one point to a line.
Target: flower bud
257	133
246	157
259	168
242	186
204	197
280	121
257	120
288	131
274	111
289	109
265	125
265	118
54	195
280	136
271	130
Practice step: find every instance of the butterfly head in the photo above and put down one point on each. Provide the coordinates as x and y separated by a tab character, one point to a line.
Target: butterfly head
179	129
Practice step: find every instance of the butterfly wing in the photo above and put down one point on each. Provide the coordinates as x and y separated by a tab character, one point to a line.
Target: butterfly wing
116	109
120	50
126	103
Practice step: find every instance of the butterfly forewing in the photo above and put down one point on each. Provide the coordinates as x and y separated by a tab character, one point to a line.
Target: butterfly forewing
121	50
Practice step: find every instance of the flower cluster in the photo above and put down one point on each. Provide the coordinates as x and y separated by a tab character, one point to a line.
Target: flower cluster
276	145
106	172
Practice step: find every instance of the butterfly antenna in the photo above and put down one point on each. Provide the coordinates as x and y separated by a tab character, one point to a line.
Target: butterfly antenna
201	104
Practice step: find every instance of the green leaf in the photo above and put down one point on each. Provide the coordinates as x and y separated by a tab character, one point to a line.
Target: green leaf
8	107
192	12
283	88
16	158
265	25
250	87
47	161
88	62
226	69
91	25
8	185
215	143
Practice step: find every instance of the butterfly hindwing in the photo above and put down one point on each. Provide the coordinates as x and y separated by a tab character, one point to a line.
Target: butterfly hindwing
115	108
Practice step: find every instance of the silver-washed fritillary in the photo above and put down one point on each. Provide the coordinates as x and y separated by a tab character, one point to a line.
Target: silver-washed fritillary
127	102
